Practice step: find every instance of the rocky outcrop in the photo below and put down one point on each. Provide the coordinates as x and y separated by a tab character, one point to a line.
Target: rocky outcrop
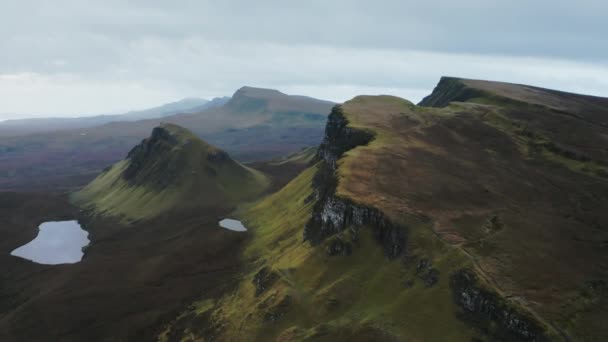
449	89
263	280
487	310
339	138
337	246
148	151
426	272
333	214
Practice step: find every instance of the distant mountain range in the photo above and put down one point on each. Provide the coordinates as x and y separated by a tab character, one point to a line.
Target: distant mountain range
254	124
37	125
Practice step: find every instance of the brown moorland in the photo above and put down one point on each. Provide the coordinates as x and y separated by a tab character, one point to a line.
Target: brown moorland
488	202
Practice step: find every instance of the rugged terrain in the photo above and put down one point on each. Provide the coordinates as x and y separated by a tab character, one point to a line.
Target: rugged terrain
255	124
155	242
172	169
477	215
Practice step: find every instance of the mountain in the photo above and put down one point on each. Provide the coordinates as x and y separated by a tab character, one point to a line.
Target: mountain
478	215
172	169
155	241
255	124
38	125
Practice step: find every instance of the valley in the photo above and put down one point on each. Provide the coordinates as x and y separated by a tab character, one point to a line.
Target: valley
254	125
476	215
139	270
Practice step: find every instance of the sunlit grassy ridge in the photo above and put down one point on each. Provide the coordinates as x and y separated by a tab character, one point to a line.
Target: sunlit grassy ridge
180	172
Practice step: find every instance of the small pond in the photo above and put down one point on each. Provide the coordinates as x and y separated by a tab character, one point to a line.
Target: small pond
57	242
231	224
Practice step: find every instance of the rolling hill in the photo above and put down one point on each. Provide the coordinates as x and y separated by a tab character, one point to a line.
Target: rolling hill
478	215
255	124
40	125
171	170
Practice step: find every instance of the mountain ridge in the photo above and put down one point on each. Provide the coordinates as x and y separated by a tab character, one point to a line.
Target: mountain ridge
495	199
259	129
16	127
170	170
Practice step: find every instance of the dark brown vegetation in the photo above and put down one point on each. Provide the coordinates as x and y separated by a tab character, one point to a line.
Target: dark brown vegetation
132	277
477	215
136	275
482	218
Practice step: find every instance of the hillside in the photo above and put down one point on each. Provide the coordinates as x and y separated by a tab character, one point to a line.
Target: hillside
171	170
478	215
155	242
256	124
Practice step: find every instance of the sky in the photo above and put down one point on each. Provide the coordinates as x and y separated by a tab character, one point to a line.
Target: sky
78	58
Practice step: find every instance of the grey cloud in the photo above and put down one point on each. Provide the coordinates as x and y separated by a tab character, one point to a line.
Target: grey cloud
155	50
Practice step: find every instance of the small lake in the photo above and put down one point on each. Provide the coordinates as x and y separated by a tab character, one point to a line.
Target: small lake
57	242
231	224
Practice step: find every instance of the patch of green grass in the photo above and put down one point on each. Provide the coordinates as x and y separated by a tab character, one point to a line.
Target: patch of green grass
180	175
336	296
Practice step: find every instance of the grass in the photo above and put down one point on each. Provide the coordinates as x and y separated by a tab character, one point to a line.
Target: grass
182	174
442	173
336	296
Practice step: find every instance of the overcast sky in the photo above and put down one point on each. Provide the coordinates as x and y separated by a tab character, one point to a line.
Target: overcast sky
70	58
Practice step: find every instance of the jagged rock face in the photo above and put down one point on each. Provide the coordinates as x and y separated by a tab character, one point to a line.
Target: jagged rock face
447	90
159	143
332	214
340	138
488	310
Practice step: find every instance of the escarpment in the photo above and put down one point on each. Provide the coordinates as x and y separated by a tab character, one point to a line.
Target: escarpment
333	214
449	89
492	313
471	218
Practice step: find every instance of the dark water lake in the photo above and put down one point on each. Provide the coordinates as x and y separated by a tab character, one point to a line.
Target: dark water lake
231	224
57	242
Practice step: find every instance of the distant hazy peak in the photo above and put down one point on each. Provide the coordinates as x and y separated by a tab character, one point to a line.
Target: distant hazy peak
257	92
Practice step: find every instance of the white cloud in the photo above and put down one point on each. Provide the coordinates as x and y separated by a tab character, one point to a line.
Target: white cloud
75	58
154	71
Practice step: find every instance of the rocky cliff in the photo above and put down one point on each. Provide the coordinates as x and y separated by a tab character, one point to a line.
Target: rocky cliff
333	214
496	317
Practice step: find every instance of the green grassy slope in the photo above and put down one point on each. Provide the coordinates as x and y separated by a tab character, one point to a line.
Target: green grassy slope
319	297
501	209
173	169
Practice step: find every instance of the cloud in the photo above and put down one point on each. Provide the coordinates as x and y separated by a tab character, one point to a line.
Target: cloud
77	58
